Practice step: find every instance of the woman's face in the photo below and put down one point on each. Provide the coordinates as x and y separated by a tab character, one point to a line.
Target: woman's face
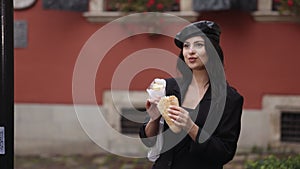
194	53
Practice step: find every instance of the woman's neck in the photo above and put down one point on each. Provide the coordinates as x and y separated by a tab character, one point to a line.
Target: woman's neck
200	78
196	90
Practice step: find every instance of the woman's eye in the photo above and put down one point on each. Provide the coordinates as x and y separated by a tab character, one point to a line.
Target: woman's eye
186	45
198	45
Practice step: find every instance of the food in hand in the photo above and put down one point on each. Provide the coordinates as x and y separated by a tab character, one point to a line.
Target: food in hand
157	85
163	106
157	89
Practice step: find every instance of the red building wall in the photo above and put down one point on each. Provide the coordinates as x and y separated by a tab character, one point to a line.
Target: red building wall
260	57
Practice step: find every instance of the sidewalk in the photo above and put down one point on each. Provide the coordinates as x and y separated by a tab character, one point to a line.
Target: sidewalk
109	161
101	161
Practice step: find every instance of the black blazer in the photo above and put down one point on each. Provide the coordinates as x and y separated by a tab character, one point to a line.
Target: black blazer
181	152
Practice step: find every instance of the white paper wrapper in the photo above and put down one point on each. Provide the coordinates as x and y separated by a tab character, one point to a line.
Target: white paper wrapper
154	151
157	89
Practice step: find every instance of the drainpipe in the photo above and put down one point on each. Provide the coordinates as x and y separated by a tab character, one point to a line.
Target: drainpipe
6	86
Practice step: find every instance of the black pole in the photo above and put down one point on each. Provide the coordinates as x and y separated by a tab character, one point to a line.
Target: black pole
7	86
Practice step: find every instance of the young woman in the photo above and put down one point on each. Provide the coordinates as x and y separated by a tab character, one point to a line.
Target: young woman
210	109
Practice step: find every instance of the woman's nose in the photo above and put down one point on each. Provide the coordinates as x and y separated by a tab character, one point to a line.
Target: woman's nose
191	49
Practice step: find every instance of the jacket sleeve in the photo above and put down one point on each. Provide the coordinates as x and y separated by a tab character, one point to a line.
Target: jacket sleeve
149	142
221	146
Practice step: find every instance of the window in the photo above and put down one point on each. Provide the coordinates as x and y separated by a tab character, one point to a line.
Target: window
290	127
130	120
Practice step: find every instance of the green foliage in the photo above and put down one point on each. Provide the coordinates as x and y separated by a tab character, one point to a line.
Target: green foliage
272	162
141	5
288	6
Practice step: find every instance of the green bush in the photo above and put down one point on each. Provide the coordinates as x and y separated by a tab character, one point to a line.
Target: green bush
272	162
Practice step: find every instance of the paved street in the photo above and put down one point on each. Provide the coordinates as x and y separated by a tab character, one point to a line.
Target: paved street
108	161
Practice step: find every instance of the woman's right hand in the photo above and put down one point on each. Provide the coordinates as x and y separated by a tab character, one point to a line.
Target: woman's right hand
152	110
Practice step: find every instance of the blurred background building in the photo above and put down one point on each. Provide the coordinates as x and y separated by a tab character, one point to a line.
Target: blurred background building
261	49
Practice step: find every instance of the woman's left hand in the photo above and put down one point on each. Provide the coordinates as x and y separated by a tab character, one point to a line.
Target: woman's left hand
181	117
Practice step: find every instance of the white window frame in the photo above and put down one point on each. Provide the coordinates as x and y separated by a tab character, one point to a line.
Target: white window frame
264	12
97	13
273	106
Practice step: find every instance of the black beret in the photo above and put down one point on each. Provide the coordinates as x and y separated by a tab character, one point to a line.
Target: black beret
200	28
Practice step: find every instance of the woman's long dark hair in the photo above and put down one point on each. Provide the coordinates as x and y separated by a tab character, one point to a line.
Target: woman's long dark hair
213	51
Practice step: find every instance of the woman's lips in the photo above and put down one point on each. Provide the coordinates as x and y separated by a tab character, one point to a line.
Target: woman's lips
192	60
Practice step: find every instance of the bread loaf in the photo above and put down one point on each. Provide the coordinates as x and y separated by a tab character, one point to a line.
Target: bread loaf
163	106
